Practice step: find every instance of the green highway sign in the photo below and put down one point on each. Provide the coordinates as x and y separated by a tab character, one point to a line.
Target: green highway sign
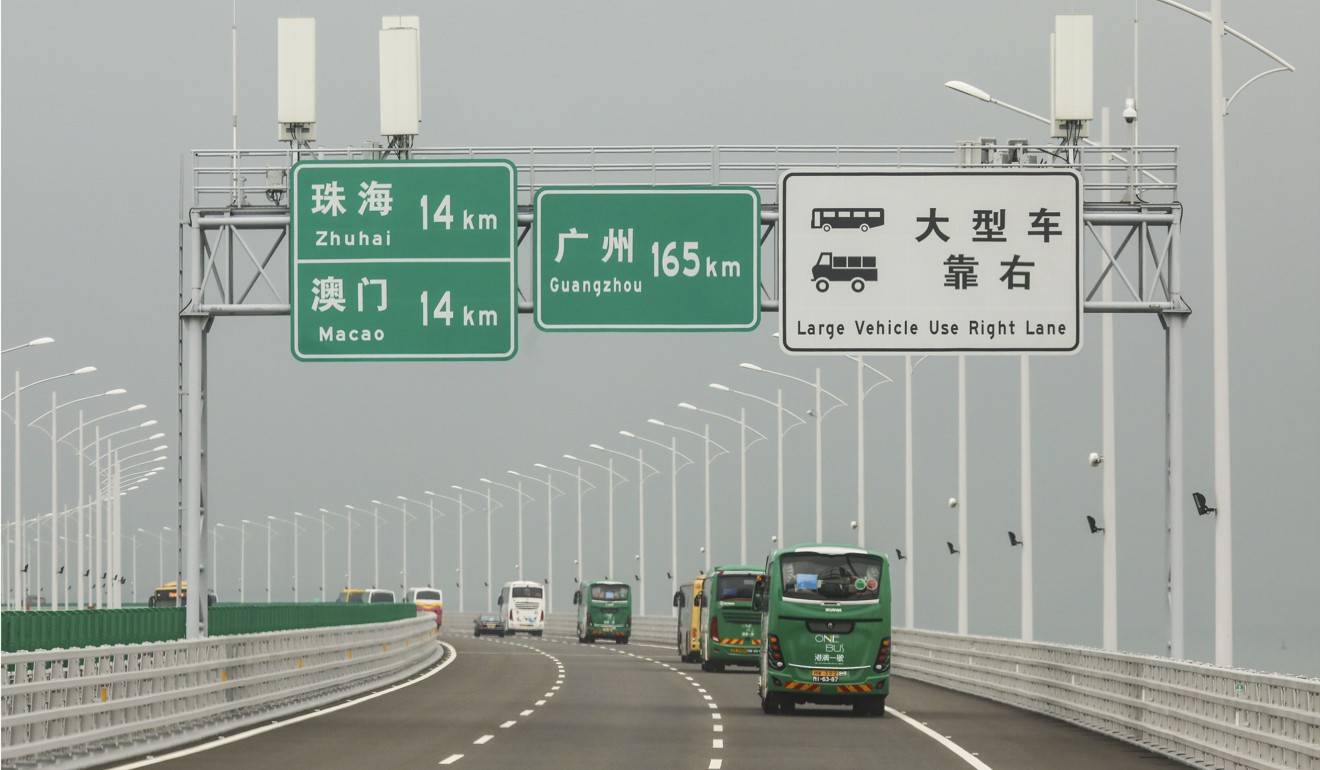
403	260
647	258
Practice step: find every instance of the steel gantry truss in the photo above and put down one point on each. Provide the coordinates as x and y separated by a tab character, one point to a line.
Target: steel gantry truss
234	234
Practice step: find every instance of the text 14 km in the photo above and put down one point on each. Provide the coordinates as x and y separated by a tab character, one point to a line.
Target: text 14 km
443	310
444	215
690	263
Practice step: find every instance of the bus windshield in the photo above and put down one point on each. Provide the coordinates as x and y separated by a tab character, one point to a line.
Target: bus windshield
527	592
609	593
850	577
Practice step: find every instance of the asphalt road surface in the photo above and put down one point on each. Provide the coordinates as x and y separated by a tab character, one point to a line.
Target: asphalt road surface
554	703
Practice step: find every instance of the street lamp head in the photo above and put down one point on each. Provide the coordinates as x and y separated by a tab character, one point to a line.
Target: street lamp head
485	480
654	421
571	457
401	497
753	367
147	424
541	465
967	88
376	502
717	386
115	392
455	486
627	434
432	494
155	436
85	370
136	407
42	341
596	446
686	405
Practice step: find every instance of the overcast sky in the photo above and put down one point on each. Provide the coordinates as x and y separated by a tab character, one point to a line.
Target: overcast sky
103	104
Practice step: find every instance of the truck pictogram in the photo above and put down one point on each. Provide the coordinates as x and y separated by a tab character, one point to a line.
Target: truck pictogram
856	271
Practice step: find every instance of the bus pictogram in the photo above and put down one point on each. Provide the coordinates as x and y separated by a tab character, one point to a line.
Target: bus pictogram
856	271
856	219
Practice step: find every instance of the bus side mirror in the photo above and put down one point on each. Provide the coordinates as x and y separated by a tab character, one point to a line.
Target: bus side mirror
678	599
760	594
577	597
500	601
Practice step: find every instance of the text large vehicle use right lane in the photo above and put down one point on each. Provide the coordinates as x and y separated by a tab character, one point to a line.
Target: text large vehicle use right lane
825	628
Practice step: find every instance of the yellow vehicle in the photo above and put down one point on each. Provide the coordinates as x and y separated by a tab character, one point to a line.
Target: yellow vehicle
168	595
688	601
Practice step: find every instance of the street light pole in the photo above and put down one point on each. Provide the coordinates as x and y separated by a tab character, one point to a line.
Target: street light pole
820	417
743	427
706	442
780	432
608	468
521	496
242	561
403	576
348	575
19	544
550	490
642	467
578	477
674	468
293	523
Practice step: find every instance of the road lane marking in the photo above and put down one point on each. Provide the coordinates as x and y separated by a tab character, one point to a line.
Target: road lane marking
716	764
451	759
225	740
526	713
540	703
508	724
719	728
717	743
962	753
483	739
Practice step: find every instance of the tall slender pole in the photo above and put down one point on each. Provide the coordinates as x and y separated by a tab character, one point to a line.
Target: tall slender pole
861	456
705	436
742	485
1219	253
54	505
820	507
375	546
1024	411
242	560
910	579
673	515
270	534
610	517
520	530
962	495
641	530
430	503
462	576
490	602
779	468
549	542
82	511
579	524
1109	592
20	593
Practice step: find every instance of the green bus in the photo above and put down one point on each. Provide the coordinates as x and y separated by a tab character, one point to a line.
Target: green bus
604	611
730	626
826	628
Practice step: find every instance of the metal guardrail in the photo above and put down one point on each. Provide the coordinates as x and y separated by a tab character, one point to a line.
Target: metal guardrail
253	179
78	708
1195	712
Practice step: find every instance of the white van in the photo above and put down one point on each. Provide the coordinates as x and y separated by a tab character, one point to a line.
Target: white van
522	606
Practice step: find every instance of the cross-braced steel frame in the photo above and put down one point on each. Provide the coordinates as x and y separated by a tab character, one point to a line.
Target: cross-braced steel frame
233	261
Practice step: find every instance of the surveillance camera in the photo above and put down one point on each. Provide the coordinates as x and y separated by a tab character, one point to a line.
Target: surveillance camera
1095	459
953	502
854	525
1130	111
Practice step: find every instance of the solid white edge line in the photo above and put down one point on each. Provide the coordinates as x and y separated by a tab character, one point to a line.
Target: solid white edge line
218	742
962	753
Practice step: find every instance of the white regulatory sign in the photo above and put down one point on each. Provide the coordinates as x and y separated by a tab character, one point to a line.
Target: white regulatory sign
930	261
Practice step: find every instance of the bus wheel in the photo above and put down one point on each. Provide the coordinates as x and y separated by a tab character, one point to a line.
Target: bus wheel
788	707
825	227
822	285
865	227
768	706
858	284
707	666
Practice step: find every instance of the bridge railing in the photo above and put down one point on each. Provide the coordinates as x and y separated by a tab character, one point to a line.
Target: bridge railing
1202	714
82	707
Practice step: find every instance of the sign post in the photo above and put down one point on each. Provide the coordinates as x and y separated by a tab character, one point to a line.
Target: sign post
647	258
931	261
403	261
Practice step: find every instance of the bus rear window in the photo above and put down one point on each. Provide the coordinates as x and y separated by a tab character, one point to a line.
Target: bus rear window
736	586
527	592
605	593
831	577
